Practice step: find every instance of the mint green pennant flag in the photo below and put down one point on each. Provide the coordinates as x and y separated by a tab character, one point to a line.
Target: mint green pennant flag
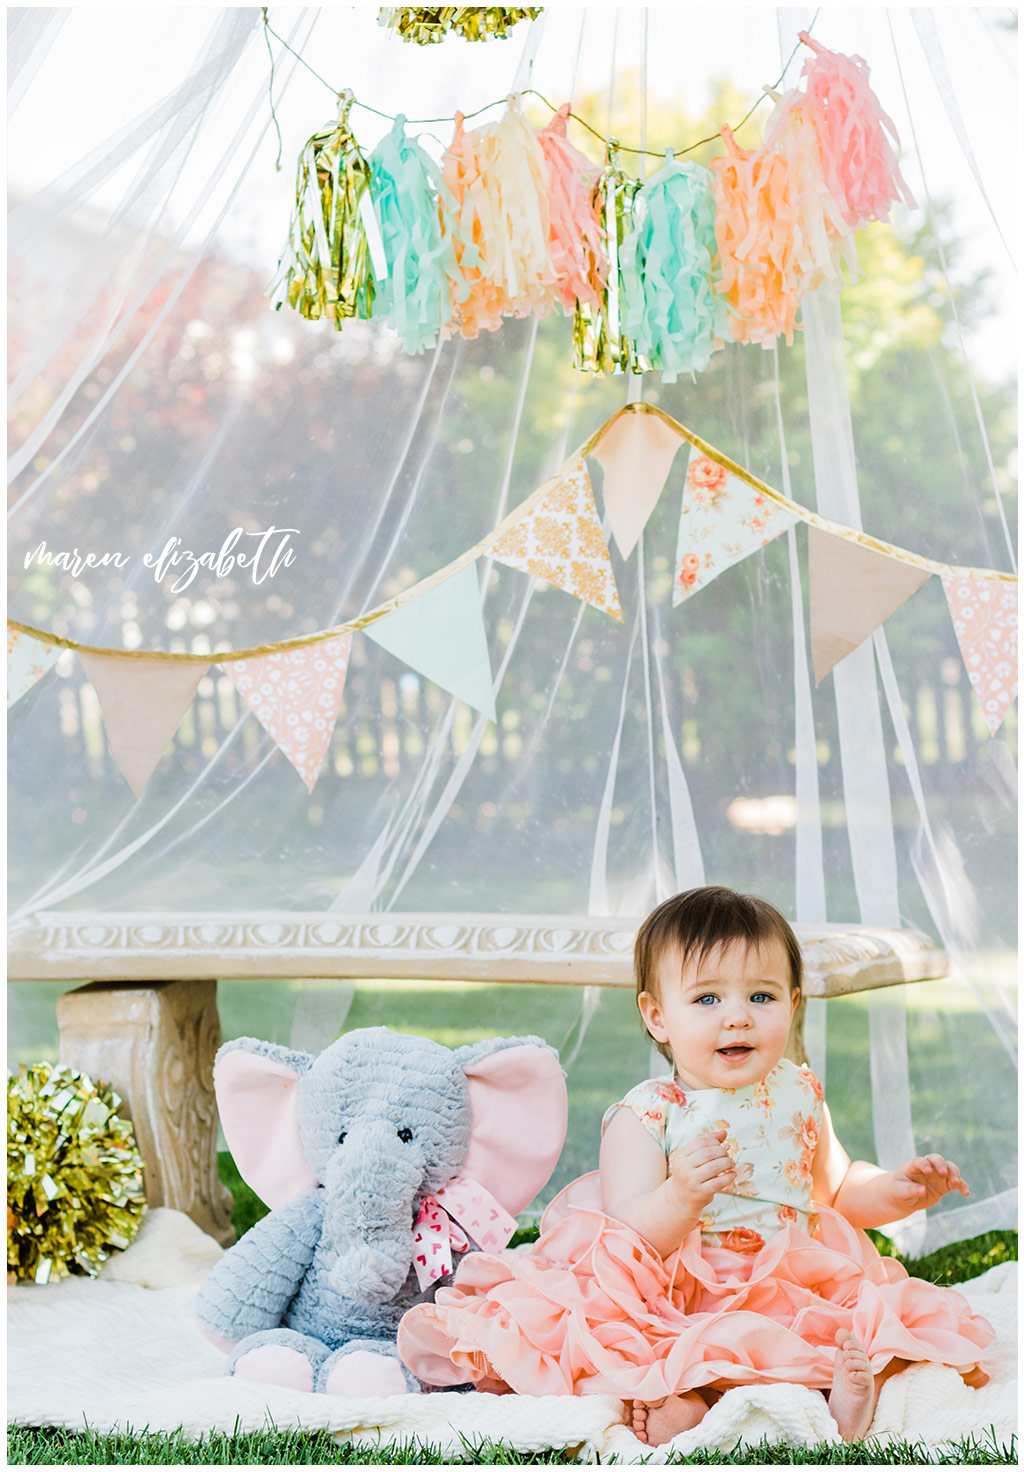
441	635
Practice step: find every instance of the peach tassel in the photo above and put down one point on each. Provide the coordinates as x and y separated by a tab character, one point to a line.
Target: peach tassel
760	281
498	222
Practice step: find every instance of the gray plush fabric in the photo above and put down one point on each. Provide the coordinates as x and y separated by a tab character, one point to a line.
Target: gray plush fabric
384	1120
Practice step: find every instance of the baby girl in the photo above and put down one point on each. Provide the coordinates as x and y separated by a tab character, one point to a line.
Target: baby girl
724	1244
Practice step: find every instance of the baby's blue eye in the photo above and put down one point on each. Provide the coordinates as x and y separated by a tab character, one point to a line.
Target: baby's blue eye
762	997
707	997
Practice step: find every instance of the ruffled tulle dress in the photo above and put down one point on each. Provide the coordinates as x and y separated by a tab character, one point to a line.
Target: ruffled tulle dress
754	1295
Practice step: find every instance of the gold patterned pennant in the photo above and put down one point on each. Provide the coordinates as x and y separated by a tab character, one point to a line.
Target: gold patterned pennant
560	541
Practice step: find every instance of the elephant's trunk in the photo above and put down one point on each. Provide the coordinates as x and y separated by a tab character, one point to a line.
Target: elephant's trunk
370	1189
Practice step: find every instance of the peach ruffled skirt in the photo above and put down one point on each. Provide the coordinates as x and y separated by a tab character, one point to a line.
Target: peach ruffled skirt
593	1309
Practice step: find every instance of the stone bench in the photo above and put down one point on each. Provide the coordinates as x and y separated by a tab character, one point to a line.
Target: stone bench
147	1021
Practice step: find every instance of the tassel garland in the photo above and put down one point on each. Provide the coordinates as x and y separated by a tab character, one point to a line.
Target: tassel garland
518	222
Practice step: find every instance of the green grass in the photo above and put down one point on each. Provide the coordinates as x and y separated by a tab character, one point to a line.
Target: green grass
290	1448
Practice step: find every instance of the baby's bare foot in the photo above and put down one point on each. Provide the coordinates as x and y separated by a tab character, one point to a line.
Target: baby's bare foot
657	1421
853	1394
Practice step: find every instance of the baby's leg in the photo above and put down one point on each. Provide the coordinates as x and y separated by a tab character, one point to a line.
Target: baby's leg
657	1421
854	1391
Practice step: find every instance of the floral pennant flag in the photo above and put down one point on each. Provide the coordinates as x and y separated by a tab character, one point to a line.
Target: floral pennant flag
28	660
722	521
985	619
560	541
142	702
441	635
854	589
636	455
295	694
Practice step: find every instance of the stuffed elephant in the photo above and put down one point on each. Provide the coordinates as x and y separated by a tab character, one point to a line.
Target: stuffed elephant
382	1160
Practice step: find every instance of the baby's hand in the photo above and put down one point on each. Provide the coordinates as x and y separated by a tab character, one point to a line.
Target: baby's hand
925	1180
701	1168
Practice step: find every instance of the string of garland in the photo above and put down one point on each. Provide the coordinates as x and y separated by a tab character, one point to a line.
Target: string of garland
74	1174
655	275
426	24
440	575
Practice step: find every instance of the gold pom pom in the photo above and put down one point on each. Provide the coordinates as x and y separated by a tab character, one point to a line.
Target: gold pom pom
74	1175
423	24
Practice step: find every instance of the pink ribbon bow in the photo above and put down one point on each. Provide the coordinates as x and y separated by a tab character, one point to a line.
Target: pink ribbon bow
436	1236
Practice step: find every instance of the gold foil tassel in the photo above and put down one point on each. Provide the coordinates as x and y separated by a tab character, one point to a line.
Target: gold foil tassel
600	344
325	269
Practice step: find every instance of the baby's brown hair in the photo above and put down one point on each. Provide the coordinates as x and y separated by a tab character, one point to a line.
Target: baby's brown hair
697	921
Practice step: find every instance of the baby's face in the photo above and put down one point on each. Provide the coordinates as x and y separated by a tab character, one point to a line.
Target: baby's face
725	1017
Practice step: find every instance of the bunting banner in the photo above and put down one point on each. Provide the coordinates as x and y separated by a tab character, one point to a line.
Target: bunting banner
853	590
142	703
560	541
442	636
722	521
985	619
296	695
435	626
636	456
28	660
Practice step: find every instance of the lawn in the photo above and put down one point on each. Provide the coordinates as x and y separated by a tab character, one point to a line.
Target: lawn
287	1448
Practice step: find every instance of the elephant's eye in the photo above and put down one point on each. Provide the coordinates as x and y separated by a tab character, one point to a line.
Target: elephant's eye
341	1137
405	1134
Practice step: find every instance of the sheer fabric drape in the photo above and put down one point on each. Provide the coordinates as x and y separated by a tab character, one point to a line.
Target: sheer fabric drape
155	396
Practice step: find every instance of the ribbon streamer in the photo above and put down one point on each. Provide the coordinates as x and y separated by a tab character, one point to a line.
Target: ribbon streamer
436	1236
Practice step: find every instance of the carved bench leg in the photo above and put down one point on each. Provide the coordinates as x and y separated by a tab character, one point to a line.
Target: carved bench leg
154	1043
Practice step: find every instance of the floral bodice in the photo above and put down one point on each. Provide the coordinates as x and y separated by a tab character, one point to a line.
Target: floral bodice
772	1129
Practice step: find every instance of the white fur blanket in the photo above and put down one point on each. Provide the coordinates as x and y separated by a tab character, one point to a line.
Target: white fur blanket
122	1352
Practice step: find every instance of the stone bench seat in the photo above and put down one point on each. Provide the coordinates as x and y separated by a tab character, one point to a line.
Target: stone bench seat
146	1020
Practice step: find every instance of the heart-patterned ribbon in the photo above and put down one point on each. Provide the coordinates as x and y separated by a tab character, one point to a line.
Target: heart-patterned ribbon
436	1235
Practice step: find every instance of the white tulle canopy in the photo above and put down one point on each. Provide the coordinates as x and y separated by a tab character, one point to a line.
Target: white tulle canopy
157	402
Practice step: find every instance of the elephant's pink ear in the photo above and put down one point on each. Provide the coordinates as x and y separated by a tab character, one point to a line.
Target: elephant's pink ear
258	1104
520	1109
